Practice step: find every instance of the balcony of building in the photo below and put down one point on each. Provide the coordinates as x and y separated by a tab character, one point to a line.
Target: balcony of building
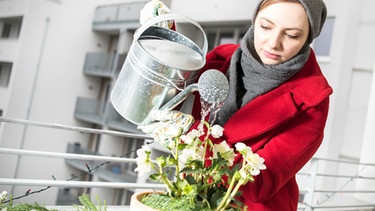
103	114
10	27
103	64
90	110
5	73
111	18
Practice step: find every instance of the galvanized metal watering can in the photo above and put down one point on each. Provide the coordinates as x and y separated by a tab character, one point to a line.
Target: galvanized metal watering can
160	64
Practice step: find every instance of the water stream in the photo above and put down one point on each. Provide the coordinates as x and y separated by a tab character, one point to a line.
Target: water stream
206	109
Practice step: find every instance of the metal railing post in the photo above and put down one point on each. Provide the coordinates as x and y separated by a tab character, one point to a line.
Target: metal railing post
309	197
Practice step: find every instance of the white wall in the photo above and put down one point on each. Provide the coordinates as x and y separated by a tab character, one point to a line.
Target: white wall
215	10
54	39
353	61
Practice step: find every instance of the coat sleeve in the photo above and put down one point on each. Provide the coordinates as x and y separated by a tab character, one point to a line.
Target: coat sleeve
288	149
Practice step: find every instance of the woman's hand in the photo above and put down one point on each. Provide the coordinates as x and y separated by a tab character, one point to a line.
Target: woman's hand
168	125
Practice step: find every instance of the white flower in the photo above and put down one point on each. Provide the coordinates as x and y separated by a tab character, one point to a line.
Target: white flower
3	196
167	131
225	151
162	132
144	151
220	148
256	162
174	131
171	144
190	137
199	153
240	147
244	150
217	131
144	164
186	154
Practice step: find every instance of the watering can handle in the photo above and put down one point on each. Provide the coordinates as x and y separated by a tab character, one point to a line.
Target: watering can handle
170	16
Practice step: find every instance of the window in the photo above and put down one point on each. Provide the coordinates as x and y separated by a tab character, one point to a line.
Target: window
6	30
322	44
10	27
224	34
5	70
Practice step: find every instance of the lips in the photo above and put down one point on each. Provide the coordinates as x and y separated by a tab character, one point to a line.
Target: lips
270	55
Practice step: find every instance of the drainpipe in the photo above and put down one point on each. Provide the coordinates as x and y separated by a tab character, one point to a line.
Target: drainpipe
31	99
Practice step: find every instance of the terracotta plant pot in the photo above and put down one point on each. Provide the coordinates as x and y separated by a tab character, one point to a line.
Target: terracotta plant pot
137	205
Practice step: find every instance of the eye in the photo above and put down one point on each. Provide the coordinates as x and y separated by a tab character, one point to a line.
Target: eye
265	27
291	36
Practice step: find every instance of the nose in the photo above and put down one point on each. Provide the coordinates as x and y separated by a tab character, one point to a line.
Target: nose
275	40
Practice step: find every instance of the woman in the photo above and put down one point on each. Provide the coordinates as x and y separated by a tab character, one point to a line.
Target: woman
278	99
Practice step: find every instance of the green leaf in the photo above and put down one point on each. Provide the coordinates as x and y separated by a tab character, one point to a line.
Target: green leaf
190	179
187	190
181	146
155	177
171	161
161	161
188	170
216	198
88	205
219	162
196	164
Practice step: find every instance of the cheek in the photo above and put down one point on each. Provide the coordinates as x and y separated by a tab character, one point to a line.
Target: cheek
259	40
292	50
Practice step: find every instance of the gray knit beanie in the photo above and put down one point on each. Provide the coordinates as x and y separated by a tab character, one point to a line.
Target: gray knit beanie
316	12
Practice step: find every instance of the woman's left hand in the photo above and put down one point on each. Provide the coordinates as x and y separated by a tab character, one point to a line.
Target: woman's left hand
169	124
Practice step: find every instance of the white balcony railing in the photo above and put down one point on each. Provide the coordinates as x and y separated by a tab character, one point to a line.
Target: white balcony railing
320	190
64	183
336	185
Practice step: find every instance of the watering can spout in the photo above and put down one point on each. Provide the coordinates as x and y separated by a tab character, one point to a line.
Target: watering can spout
180	97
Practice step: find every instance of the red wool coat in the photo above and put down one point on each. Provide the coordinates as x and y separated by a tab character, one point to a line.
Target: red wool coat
284	126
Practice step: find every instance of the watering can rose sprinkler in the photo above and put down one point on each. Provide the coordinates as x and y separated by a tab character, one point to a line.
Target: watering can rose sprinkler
161	64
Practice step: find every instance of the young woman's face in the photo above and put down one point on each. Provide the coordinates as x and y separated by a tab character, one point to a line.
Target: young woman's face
280	31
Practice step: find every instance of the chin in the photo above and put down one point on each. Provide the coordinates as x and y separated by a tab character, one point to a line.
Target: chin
270	61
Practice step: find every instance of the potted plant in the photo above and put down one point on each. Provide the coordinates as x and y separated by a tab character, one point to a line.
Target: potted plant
206	175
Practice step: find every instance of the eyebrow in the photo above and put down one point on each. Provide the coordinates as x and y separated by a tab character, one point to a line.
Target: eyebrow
292	28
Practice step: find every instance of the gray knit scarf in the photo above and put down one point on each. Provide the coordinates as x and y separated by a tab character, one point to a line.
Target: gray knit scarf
249	77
